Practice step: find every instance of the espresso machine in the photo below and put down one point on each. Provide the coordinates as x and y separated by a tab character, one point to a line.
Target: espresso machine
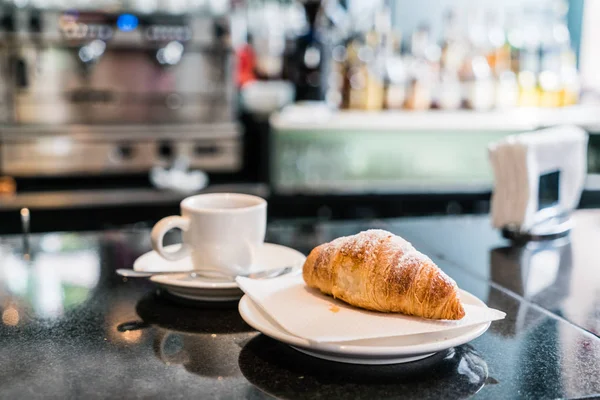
115	93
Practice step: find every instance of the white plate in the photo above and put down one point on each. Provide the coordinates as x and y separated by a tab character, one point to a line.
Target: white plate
392	350
271	256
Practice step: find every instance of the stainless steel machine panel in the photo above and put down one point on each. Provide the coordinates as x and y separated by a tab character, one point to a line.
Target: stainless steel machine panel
122	88
60	155
80	150
87	68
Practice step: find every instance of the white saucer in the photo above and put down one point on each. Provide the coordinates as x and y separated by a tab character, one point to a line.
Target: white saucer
392	350
270	256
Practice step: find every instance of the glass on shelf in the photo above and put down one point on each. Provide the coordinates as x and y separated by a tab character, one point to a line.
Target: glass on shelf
480	86
449	95
528	89
420	89
507	90
396	82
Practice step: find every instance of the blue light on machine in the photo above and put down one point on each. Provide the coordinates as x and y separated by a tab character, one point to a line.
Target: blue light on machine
127	22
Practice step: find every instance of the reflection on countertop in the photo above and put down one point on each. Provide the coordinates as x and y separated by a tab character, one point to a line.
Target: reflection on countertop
558	275
284	372
72	328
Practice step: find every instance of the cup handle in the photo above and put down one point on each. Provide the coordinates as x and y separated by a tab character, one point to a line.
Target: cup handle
159	231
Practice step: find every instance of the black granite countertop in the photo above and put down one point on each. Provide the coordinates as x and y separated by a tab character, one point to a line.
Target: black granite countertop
71	328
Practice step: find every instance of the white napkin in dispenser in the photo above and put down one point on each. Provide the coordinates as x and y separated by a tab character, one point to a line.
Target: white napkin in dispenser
519	161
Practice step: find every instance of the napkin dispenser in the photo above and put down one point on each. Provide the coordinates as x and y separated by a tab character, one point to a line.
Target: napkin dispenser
538	180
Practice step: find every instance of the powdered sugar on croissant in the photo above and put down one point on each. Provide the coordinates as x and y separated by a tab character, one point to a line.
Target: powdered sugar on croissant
380	271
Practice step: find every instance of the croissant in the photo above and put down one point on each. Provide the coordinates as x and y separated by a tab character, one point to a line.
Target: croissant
380	271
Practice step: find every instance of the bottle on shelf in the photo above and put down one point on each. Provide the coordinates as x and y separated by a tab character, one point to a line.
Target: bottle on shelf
523	58
420	89
335	95
479	93
453	46
514	39
499	58
570	85
421	70
529	62
307	57
498	53
476	73
375	70
365	81
507	90
395	95
449	94
551	38
356	75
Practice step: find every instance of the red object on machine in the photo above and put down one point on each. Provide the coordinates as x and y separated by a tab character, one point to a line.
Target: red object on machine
246	60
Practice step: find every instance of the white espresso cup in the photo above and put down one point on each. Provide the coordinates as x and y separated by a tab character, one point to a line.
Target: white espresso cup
221	231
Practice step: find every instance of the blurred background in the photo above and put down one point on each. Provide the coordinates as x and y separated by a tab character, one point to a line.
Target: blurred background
111	112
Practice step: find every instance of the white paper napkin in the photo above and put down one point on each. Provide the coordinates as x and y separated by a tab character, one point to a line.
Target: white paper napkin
309	314
518	161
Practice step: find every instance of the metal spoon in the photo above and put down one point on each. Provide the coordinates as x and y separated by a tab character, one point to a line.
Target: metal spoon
265	274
